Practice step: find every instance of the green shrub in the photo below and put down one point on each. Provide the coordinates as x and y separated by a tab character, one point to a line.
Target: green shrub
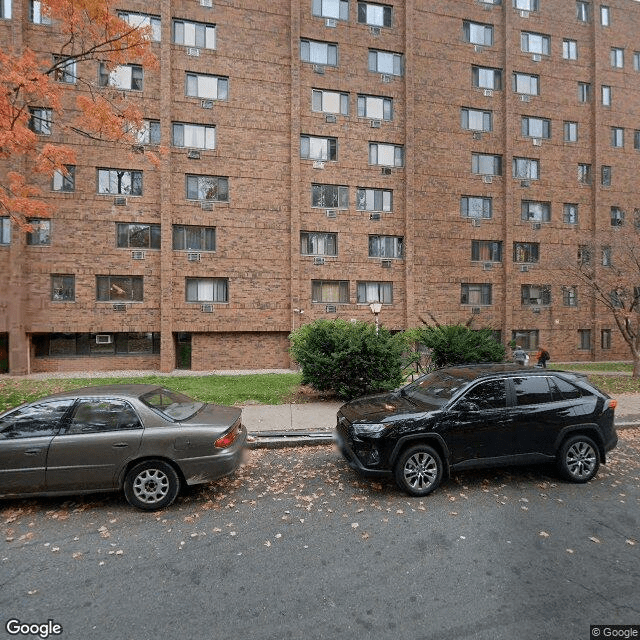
457	344
348	358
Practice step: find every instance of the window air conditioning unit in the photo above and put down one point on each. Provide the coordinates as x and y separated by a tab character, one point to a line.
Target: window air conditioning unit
487	266
193	51
331	22
318	261
137	148
207	308
386	171
475	222
487	179
375	31
318	164
525	183
475	310
524	268
536	309
318	68
206	104
525	97
488	92
537	142
120	201
206	3
330	118
477	135
536	226
524	14
375	216
386	264
536	57
137	255
119	307
193	154
207	205
477	48
104	338
332	213
330	308
385	77
376	124
193	256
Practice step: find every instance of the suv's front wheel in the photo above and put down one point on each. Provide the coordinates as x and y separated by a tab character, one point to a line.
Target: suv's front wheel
578	459
418	470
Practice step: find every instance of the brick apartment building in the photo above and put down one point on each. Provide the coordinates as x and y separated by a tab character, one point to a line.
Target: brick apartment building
324	154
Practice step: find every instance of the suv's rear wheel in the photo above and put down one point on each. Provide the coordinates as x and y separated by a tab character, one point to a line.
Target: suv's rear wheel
418	470
578	459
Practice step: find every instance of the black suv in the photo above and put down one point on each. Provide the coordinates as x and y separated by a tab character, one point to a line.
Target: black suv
473	416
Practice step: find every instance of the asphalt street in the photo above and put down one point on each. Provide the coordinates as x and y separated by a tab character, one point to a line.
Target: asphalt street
295	545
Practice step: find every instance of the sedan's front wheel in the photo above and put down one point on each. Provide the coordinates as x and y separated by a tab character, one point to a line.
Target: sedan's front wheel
578	459
418	470
151	485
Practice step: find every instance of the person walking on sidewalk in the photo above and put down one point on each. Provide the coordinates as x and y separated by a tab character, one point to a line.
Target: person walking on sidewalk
542	356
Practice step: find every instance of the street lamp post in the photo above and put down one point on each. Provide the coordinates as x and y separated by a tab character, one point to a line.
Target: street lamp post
376	307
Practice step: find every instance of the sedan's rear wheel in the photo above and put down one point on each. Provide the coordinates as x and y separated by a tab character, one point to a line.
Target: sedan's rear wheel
418	470
151	485
578	459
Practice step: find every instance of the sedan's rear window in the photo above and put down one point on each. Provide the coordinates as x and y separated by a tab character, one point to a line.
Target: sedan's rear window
175	405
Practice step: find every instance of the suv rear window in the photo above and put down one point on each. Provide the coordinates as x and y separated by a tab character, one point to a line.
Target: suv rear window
532	390
568	390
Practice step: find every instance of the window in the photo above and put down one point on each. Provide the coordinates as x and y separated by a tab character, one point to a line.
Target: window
329	102
582	11
193	238
526	168
584	254
386	62
84	344
144	21
606	95
386	247
119	288
477	33
120	182
476	294
605	15
375	292
570	213
194	136
337	9
330	291
584	339
570	296
386	155
536	127
617	217
207	289
532	390
606	256
486	164
476	120
38	13
536	211
526	252
317	243
64	181
487	395
636	139
375	107
42	419
319	52
137	236
375	15
605	175
374	199
584	92
329	196
570	131
149	133
617	57
535	43
40	233
102	416
194	34
65	70
569	49
486	78
5	230
605	339
526	84
534	295
617	137
212	188
63	288
584	173
200	85
316	148
40	120
476	207
486	251
5	9
636	61
526	5
128	77
526	338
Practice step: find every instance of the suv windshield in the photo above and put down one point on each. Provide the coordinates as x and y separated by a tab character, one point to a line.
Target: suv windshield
172	404
435	388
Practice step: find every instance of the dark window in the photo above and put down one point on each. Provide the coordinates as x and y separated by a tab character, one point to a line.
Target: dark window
96	416
138	236
532	390
63	288
488	395
192	238
567	390
42	419
119	288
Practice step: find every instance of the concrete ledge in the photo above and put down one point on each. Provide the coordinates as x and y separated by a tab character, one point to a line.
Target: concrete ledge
279	440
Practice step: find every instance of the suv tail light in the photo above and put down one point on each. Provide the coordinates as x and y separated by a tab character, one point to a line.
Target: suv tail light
227	439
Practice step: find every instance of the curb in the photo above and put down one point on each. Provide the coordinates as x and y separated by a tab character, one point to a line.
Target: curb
279	440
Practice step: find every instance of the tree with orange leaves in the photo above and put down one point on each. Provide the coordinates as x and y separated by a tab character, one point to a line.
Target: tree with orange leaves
89	30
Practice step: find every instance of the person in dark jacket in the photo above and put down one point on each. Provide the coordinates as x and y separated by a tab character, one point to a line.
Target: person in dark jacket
542	357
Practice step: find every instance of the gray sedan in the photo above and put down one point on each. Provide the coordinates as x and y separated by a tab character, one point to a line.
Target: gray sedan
143	439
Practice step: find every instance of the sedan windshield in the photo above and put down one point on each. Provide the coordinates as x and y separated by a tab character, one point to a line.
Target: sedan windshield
172	404
435	388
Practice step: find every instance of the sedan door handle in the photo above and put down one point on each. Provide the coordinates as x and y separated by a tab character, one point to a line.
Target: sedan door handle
119	445
32	452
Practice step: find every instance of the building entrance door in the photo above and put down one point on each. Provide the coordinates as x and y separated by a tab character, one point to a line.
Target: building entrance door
4	353
183	351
